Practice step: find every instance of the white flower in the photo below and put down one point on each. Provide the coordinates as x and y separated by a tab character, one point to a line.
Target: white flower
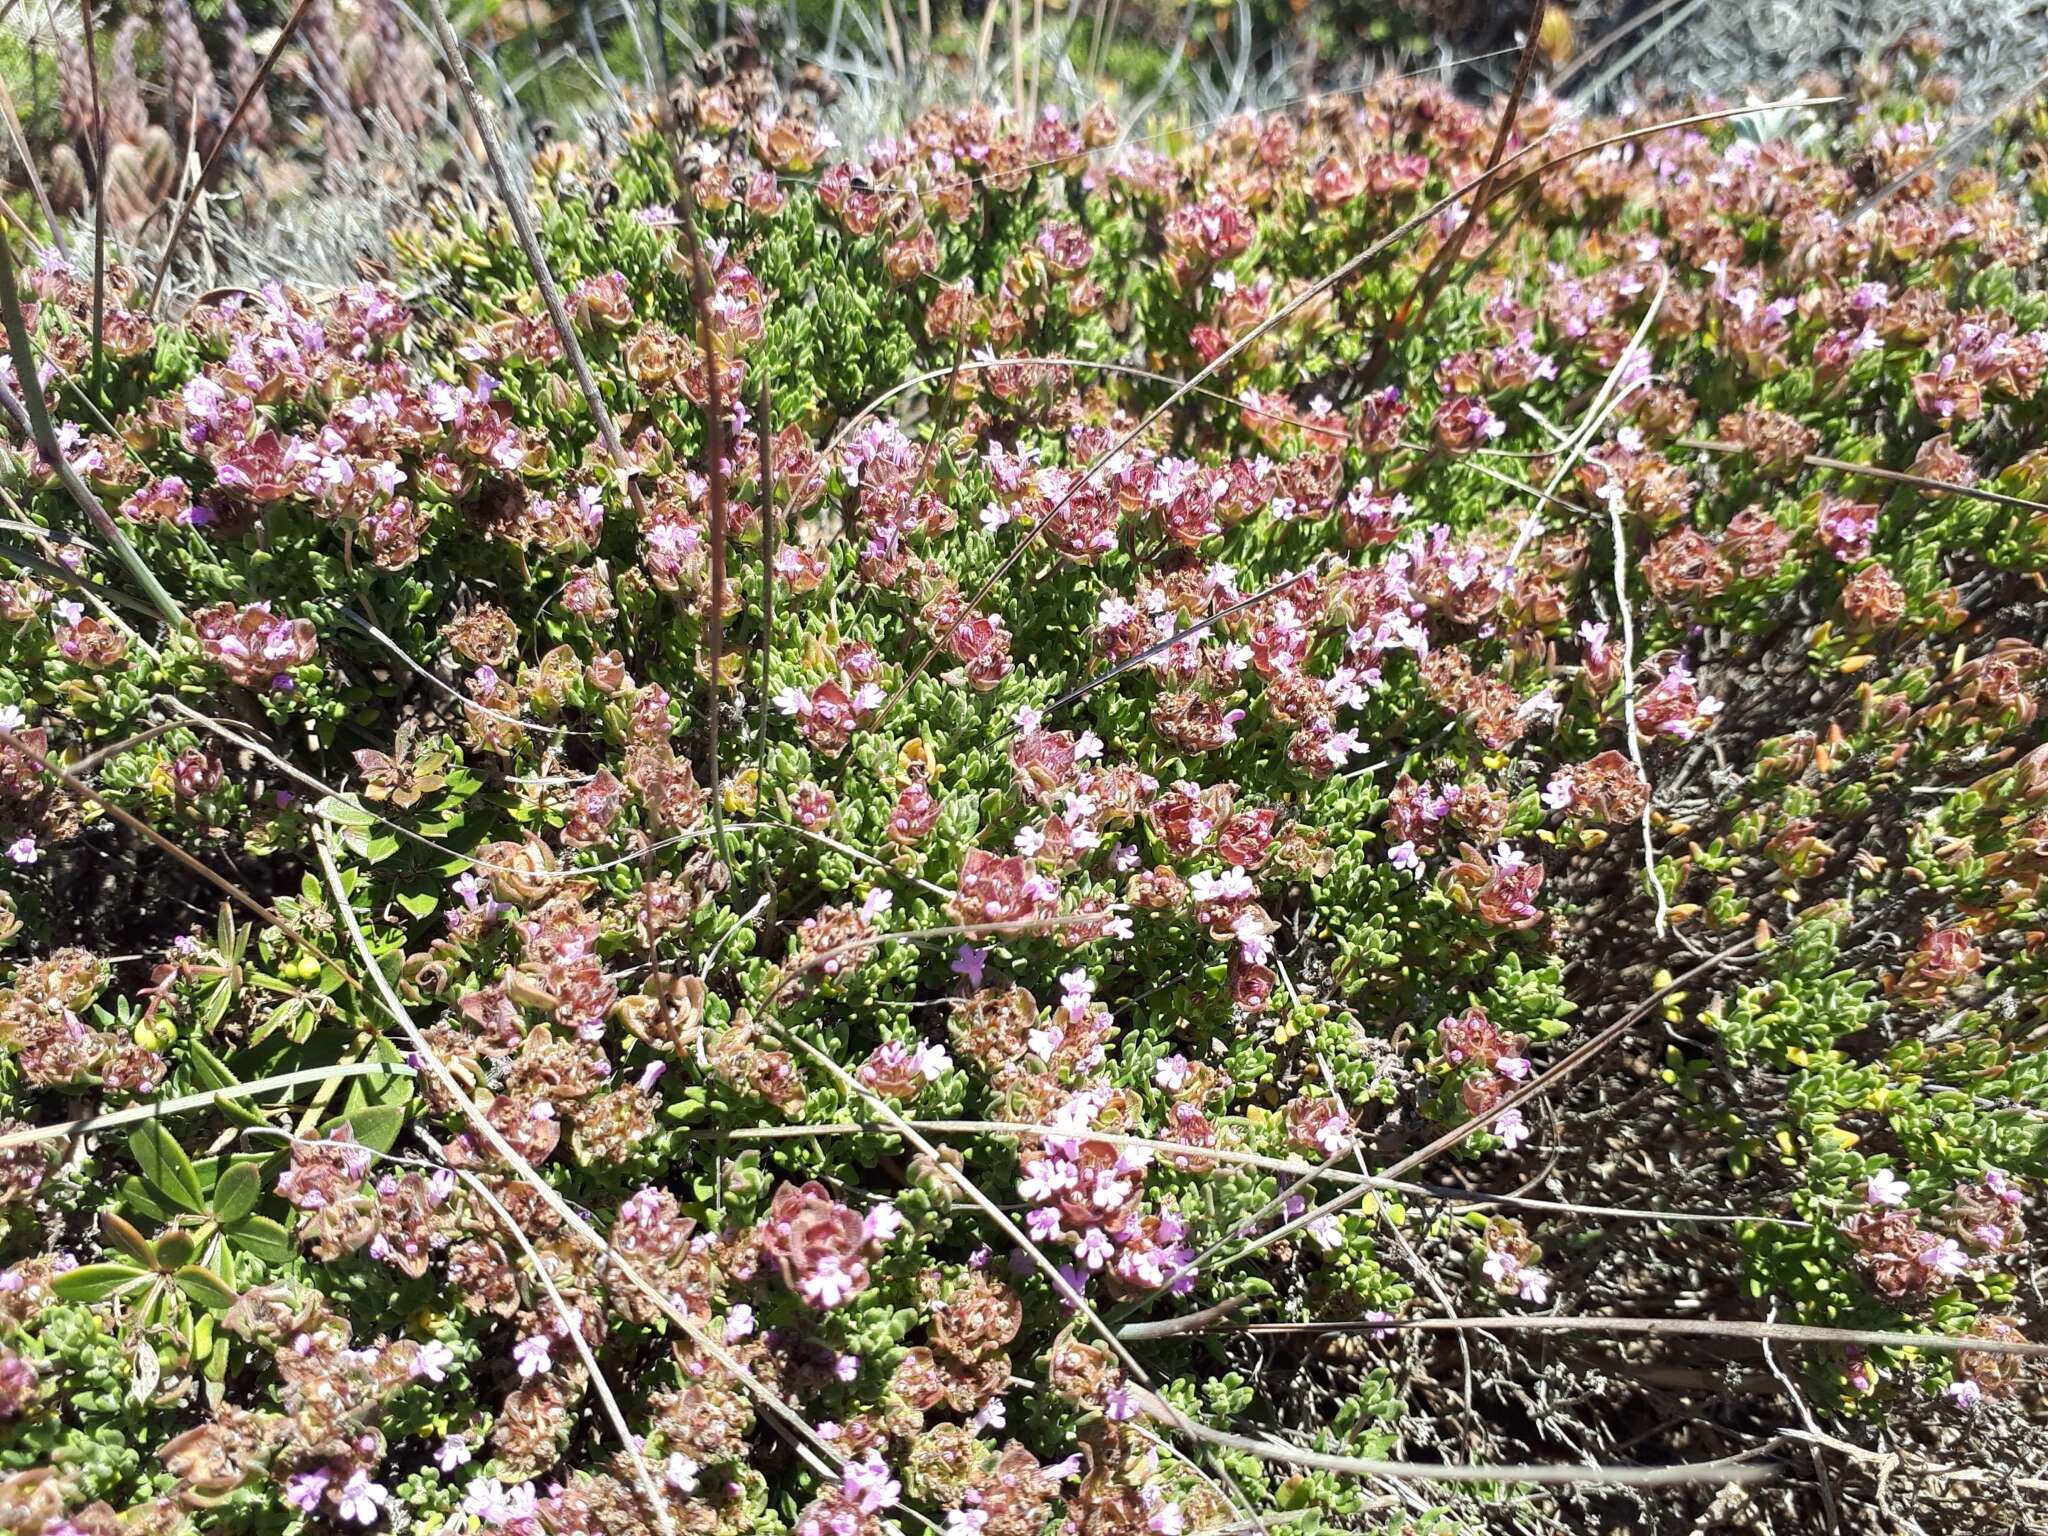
1510	1127
361	1498
534	1355
1886	1188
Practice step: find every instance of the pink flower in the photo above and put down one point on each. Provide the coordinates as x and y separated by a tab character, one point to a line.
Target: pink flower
304	1490
869	1485
432	1361
828	1284
882	1224
968	961
534	1355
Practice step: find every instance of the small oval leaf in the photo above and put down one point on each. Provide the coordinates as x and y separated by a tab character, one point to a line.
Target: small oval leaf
376	1127
261	1238
236	1193
206	1288
96	1282
166	1168
123	1235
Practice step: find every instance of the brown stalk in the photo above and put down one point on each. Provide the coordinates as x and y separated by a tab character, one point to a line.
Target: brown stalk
99	203
1540	1084
447	1081
714	453
227	135
32	415
1742	1468
135	824
1663	1327
771	528
28	164
1607	40
444	1077
529	246
1890	476
1439	270
1461	1199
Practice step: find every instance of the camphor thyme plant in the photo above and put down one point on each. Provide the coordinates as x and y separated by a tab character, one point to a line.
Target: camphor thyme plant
1265	812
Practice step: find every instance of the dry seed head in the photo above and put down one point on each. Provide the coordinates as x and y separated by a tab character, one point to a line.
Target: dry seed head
330	80
139	177
74	90
242	68
194	97
127	117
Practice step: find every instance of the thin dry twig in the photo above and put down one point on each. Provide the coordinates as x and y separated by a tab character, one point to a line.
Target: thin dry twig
99	206
1540	1084
1458	1198
58	236
529	245
812	1448
1439	271
87	1125
714	469
1662	1327
770	529
32	416
1891	476
1743	1468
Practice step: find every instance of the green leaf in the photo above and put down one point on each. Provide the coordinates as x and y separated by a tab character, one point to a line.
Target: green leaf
165	1166
219	996
236	1194
206	1288
123	1236
96	1282
422	905
345	811
140	1199
376	1127
211	1072
261	1238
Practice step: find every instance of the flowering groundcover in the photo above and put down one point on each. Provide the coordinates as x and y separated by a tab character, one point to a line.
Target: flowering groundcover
821	948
